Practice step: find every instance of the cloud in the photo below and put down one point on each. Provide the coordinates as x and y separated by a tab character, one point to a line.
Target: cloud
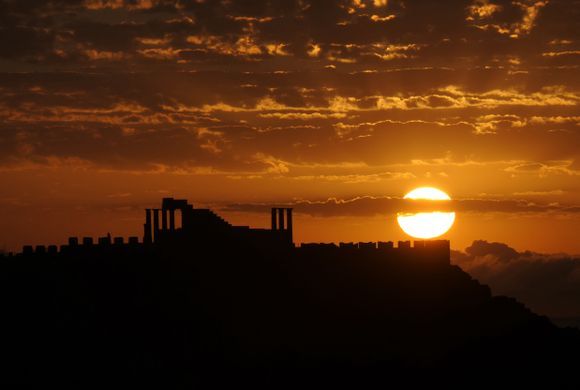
303	115
117	4
544	169
548	283
188	32
316	121
129	85
370	206
356	178
501	251
486	15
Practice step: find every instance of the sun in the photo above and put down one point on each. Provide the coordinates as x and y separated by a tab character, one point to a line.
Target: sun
428	224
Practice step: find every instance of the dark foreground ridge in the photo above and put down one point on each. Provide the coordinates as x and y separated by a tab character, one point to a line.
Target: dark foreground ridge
198	302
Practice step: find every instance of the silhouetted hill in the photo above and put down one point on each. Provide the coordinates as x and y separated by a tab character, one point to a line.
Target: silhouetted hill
212	312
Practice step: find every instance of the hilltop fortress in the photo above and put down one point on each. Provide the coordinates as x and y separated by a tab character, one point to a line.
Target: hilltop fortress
201	303
177	223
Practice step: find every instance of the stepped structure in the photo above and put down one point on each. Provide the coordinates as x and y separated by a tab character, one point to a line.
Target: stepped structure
194	223
177	222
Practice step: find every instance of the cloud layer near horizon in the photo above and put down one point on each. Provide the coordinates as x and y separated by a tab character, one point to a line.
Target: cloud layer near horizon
548	283
371	206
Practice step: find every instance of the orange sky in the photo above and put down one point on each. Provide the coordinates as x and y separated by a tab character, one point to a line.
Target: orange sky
335	107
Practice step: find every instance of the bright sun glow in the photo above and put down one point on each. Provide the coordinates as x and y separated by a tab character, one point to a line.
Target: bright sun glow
427	193
426	224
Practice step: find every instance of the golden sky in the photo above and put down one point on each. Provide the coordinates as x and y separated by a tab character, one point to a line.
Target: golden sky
334	107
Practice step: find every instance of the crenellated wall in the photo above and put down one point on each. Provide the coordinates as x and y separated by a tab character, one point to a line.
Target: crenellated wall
432	250
199	225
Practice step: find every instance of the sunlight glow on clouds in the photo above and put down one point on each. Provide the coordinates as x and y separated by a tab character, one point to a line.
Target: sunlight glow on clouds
293	99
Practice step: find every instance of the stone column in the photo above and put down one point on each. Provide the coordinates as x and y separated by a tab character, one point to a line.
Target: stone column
147	227
280	219
172	219
155	225
289	223
274	224
164	219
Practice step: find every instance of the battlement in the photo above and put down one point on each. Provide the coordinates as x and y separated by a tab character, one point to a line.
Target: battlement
433	251
382	245
177	222
87	244
174	223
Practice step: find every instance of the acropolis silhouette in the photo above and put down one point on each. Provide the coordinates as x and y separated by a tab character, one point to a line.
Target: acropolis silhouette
177	223
199	303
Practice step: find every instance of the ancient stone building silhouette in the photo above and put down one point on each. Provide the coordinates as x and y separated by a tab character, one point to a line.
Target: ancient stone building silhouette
203	222
177	222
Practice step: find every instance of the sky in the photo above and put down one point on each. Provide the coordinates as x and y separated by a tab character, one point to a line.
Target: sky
336	108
